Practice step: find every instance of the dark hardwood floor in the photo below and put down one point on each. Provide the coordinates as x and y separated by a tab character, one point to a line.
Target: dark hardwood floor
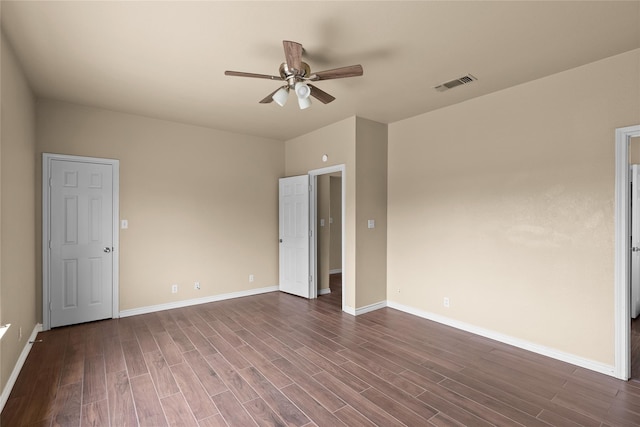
276	360
635	349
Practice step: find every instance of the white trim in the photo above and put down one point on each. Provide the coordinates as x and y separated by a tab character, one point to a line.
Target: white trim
324	291
370	307
622	350
196	301
335	271
115	266
18	366
507	339
313	174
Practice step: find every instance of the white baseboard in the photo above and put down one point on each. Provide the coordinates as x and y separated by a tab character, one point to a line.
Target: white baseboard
335	271
196	301
506	339
324	291
367	308
18	366
371	307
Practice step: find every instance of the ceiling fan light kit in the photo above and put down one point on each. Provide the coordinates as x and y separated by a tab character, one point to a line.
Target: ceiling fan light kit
296	74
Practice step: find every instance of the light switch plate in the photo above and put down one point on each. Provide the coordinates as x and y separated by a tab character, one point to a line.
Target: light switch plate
124	224
371	223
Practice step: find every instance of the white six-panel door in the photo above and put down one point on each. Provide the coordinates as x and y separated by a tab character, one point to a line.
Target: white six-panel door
81	242
294	235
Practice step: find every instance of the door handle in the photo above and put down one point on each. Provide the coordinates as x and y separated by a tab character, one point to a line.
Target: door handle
107	250
635	249
280	240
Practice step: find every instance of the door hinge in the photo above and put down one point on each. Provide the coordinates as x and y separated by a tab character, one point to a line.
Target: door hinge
49	243
50	182
310	233
310	188
310	279
49	305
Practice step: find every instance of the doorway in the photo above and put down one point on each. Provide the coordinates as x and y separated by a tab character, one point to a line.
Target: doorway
80	213
329	237
327	257
622	265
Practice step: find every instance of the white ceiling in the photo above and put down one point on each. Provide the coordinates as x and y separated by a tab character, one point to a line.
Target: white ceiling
167	59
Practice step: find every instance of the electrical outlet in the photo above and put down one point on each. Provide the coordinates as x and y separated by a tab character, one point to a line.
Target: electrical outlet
251	278
196	285
446	302
174	288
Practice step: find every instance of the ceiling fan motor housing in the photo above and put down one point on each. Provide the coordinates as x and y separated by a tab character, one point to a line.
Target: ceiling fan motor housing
291	75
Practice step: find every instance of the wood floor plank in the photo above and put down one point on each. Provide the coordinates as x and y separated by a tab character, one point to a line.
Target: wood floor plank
181	340
170	351
68	401
268	369
311	407
121	407
262	413
196	396
207	376
352	418
145	339
96	414
215	421
232	411
94	384
228	351
199	341
177	411
377	415
281	405
73	368
113	356
161	374
310	385
232	379
134	359
148	405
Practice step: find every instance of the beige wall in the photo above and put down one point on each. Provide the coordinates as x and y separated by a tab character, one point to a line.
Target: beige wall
504	204
371	202
338	142
17	212
201	203
634	151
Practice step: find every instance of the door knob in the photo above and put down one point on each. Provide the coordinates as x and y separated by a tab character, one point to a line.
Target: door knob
107	250
635	249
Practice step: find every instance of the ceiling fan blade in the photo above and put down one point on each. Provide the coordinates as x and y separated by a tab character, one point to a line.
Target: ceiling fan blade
321	95
269	98
254	75
338	73
293	54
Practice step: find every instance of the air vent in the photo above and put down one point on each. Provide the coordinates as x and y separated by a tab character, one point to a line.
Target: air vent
454	83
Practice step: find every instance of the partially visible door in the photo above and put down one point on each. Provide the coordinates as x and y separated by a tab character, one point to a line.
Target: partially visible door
81	242
294	235
635	241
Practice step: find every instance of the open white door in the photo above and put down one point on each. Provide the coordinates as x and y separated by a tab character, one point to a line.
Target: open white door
294	235
635	241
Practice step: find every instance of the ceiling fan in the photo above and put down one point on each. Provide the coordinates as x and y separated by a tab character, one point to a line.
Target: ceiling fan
297	74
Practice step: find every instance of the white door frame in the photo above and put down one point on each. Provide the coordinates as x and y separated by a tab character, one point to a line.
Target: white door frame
313	214
47	158
622	294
